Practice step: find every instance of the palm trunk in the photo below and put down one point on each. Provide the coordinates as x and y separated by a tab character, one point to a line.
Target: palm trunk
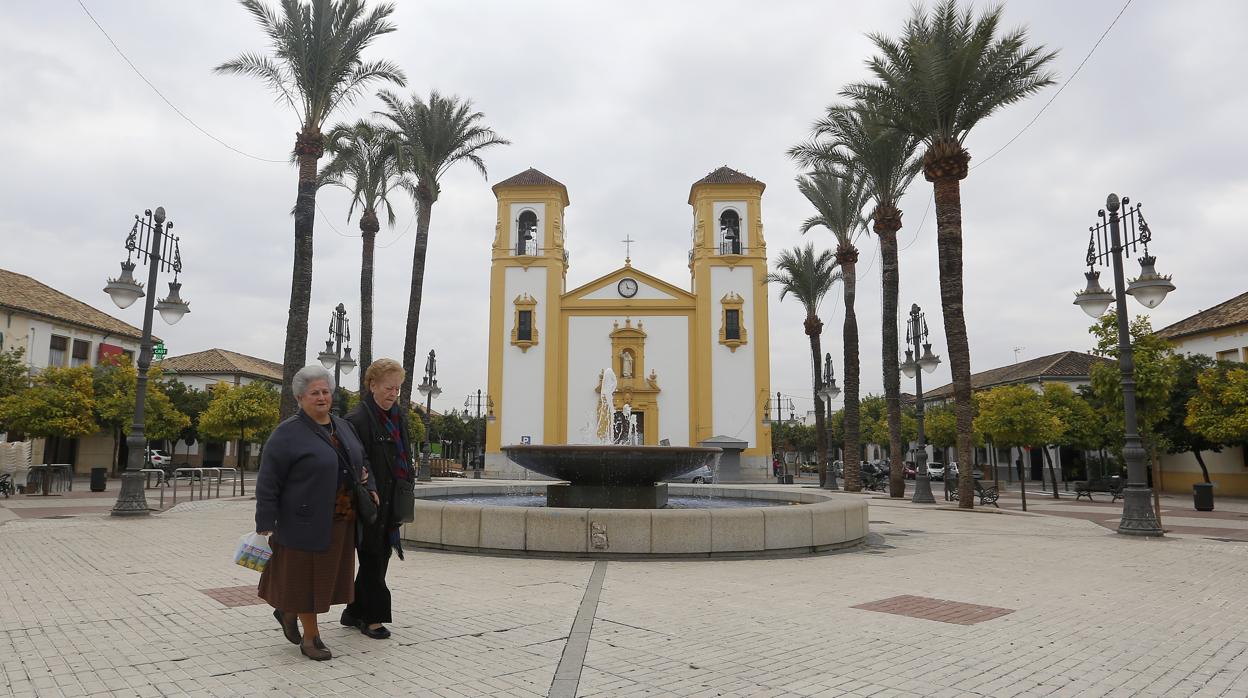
886	226
309	145
369	225
946	175
425	203
814	328
852	457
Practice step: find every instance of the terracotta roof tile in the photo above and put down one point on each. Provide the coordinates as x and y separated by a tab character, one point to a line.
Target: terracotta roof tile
529	178
1067	364
1225	314
24	294
727	175
214	361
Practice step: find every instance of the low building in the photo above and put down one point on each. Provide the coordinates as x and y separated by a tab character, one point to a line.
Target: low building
1220	332
1072	368
204	369
55	329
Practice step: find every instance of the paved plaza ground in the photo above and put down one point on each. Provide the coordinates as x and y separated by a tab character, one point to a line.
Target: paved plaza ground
937	602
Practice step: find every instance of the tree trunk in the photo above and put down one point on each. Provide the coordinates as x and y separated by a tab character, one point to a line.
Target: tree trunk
814	328
309	146
242	466
1203	470
424	203
887	223
946	175
848	258
369	225
1052	475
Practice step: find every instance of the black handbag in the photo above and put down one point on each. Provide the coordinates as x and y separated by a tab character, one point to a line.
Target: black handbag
404	501
365	507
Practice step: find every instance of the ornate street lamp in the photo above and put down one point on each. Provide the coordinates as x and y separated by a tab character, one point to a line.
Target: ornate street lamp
1106	247
429	388
151	241
335	357
916	331
829	392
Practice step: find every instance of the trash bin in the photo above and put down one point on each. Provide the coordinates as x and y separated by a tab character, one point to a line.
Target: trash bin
99	480
1202	496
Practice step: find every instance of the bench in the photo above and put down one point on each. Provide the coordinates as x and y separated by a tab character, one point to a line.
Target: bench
987	495
1085	488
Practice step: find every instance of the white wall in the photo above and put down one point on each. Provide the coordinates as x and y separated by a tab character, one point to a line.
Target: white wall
34	335
524	372
736	400
667	354
1234	339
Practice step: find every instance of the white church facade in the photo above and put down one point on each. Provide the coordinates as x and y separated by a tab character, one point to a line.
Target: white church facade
692	364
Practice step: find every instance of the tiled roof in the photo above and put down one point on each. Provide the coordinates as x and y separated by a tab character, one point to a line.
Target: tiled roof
529	178
222	361
22	293
1067	364
727	175
1225	314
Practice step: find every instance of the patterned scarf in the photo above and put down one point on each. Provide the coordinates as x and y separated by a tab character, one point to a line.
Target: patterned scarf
389	420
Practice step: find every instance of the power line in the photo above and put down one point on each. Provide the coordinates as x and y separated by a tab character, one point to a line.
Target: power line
1059	90
160	94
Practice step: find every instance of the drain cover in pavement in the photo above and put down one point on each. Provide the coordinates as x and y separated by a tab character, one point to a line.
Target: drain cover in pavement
935	609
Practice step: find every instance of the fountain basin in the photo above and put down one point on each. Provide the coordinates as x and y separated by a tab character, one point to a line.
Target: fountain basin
813	522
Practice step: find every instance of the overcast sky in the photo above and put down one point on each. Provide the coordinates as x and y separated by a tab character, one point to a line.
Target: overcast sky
626	104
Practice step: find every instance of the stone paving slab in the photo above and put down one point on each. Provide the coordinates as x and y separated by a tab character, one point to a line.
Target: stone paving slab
100	606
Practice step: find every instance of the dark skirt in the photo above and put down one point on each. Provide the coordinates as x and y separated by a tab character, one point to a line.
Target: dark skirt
299	581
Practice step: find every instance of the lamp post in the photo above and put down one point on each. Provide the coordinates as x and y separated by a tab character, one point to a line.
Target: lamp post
829	392
916	331
1106	247
151	241
429	388
478	434
334	357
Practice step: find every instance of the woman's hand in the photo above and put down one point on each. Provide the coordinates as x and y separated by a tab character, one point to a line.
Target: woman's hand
375	499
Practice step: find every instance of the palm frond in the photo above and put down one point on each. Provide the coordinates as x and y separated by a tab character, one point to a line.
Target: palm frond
804	274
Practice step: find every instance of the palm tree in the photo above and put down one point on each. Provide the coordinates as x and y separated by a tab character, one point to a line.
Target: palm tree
809	278
838	197
884	160
366	163
315	67
432	136
946	73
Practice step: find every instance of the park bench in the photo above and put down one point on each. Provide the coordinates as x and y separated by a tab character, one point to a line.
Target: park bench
1085	488
987	495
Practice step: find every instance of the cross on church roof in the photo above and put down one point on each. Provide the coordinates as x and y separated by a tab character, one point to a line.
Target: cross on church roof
628	246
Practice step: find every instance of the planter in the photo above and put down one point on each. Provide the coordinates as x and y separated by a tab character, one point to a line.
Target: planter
99	479
1202	496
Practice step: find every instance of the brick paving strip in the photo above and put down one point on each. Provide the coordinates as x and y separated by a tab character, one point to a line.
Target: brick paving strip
935	609
233	597
568	673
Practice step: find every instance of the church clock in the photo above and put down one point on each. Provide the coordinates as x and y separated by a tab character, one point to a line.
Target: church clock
627	287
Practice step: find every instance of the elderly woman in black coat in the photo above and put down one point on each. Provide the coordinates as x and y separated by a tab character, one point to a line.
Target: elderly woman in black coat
382	426
303	501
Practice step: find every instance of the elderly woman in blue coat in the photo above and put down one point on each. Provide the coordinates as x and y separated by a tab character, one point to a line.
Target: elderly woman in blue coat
303	502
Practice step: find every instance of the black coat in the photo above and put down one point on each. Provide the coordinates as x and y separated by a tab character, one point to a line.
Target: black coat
298	481
381	451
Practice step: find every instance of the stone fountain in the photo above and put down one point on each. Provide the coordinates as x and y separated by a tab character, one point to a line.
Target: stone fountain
615	472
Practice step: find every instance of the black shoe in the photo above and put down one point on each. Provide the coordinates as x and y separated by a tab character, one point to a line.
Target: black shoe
318	652
376	633
290	626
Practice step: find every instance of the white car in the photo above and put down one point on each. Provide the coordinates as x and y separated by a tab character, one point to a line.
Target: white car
697	476
936	471
158	458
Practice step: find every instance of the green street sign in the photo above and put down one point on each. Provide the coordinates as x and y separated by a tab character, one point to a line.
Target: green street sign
159	351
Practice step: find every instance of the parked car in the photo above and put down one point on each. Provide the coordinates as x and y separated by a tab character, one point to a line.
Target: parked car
696	476
936	471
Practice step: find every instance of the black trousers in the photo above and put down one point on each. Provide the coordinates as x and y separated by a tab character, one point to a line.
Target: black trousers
372	596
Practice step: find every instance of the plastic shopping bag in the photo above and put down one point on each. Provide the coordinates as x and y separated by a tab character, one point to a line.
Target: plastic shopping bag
253	551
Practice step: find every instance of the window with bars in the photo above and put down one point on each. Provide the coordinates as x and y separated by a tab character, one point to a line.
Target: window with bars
57	347
732	324
524	326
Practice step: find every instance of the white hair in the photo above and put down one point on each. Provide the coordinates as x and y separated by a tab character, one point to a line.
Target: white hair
307	375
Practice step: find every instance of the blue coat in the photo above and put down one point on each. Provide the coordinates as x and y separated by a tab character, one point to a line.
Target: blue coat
298	481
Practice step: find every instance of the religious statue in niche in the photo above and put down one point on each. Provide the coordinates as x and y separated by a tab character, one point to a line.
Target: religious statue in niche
626	364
